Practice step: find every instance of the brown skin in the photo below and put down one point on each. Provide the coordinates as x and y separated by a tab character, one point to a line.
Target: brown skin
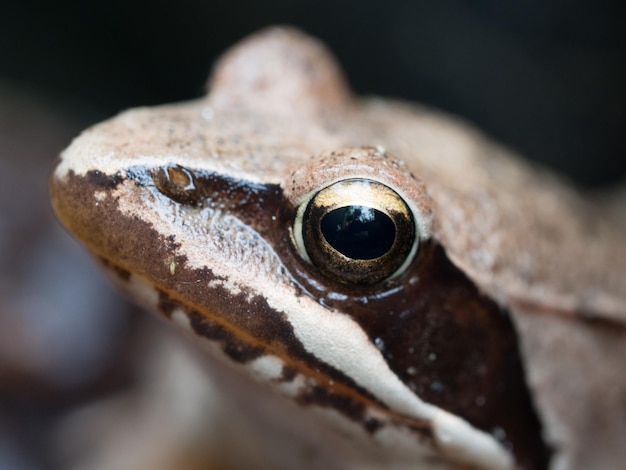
502	240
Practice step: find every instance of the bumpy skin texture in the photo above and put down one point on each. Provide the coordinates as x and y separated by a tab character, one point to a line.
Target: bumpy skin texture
278	103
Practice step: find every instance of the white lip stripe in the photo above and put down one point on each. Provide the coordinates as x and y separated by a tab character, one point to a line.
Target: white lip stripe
339	341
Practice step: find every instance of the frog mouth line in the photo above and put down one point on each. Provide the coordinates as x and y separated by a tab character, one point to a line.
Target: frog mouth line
323	386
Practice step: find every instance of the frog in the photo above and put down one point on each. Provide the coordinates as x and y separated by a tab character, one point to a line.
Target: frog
380	283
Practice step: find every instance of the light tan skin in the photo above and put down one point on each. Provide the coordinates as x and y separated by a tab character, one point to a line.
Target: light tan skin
524	238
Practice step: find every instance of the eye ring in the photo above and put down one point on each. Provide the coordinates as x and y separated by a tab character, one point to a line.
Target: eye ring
356	231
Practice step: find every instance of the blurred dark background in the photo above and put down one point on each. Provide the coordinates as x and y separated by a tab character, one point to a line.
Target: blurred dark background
547	78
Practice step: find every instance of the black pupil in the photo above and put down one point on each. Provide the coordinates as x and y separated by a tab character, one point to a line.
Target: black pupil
359	232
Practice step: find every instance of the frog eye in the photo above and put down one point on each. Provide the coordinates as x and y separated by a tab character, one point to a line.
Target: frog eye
356	231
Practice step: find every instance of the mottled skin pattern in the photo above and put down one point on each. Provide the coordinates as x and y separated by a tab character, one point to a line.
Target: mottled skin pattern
511	317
